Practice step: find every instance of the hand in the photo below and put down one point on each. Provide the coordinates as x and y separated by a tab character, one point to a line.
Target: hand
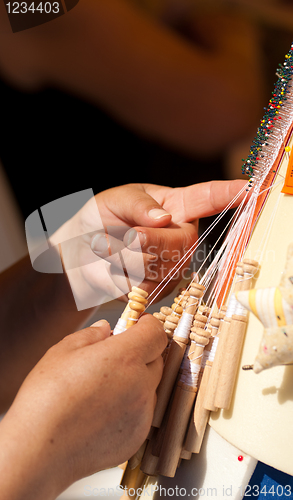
165	222
87	405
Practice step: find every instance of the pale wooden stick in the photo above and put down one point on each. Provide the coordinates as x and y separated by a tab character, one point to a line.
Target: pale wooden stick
223	332
210	393
181	411
151	458
150	461
200	417
136	459
174	358
234	342
230	363
137	300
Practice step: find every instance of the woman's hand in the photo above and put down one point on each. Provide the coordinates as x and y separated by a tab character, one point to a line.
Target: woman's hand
87	405
134	235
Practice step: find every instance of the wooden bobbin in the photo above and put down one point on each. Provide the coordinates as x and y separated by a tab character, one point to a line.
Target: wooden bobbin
181	411
210	393
172	319
171	323
223	332
231	359
196	291
205	310
200	415
151	457
162	315
182	298
133	477
234	343
250	269
175	432
175	355
171	368
199	321
136	305
239	277
169	317
150	461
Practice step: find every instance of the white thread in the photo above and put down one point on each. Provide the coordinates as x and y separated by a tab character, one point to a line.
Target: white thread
191	377
232	305
240	310
191	250
212	352
184	367
205	357
120	326
193	303
183	328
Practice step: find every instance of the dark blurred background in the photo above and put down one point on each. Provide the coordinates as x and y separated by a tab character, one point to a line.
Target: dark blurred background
53	143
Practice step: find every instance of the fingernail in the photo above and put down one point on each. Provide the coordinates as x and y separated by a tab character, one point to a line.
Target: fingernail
158	213
134	240
101	322
99	245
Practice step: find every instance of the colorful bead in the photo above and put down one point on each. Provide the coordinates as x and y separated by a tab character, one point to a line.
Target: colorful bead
269	120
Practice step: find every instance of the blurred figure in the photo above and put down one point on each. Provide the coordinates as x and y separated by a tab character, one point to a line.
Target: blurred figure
177	80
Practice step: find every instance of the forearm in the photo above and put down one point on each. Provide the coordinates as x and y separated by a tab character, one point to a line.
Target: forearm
37	310
26	461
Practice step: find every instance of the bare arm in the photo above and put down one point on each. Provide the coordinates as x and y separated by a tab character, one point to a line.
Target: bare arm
86	406
37	310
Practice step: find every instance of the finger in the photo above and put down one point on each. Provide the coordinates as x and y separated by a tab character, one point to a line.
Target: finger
105	245
146	340
136	207
155	370
204	199
165	247
115	252
97	332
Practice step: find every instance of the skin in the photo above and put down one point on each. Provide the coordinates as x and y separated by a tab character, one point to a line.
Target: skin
45	304
85	403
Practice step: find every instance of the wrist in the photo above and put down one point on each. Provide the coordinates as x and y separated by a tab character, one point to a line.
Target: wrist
27	465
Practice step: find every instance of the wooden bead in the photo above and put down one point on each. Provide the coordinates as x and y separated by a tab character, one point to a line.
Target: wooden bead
196	290
173	319
169	326
139	291
200	336
215	322
137	298
205	310
177	309
161	317
166	310
200	318
251	262
136	306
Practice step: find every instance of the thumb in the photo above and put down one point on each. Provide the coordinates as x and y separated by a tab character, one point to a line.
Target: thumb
98	331
136	207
